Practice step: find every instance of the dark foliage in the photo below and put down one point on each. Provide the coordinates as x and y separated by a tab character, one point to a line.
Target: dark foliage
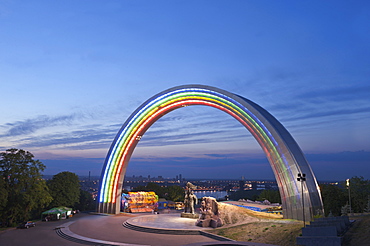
86	202
245	194
65	189
22	189
356	194
272	196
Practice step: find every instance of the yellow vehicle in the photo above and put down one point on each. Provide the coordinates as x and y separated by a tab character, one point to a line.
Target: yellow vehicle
179	205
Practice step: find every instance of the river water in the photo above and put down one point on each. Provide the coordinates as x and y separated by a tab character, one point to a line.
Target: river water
215	194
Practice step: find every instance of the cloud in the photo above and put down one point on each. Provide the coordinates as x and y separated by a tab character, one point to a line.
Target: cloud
228	167
80	166
175	129
186	138
186	126
29	126
65	131
91	138
340	165
322	112
340	94
192	125
326	166
324	103
306	107
345	156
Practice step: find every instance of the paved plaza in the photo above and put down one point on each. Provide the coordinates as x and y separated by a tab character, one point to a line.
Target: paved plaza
95	229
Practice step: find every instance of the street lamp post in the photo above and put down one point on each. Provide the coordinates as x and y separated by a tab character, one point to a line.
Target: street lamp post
349	195
302	178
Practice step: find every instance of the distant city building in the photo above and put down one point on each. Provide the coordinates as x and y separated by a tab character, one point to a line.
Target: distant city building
241	185
91	183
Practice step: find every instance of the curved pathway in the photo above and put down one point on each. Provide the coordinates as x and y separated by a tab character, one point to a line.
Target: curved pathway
89	229
109	229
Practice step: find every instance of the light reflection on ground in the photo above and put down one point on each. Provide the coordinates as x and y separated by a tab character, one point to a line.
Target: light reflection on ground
165	221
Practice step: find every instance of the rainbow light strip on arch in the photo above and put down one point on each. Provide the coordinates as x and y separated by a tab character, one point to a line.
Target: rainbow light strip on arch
161	104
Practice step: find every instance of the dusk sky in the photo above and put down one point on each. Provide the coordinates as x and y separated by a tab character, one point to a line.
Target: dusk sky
72	72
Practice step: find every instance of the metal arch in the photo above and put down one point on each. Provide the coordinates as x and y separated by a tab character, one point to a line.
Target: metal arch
282	151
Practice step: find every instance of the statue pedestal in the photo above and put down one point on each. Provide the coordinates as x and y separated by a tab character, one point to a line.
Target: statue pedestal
189	215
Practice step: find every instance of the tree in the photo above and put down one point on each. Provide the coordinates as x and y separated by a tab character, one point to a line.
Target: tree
3	193
367	209
159	190
23	189
175	193
359	191
245	194
86	202
272	196
336	198
65	189
152	187
333	198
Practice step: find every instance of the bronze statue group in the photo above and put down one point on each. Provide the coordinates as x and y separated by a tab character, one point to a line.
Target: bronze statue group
209	213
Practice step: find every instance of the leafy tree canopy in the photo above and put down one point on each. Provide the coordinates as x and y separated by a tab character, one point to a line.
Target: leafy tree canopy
22	187
3	193
333	198
354	194
270	195
245	194
359	190
65	189
175	193
86	202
